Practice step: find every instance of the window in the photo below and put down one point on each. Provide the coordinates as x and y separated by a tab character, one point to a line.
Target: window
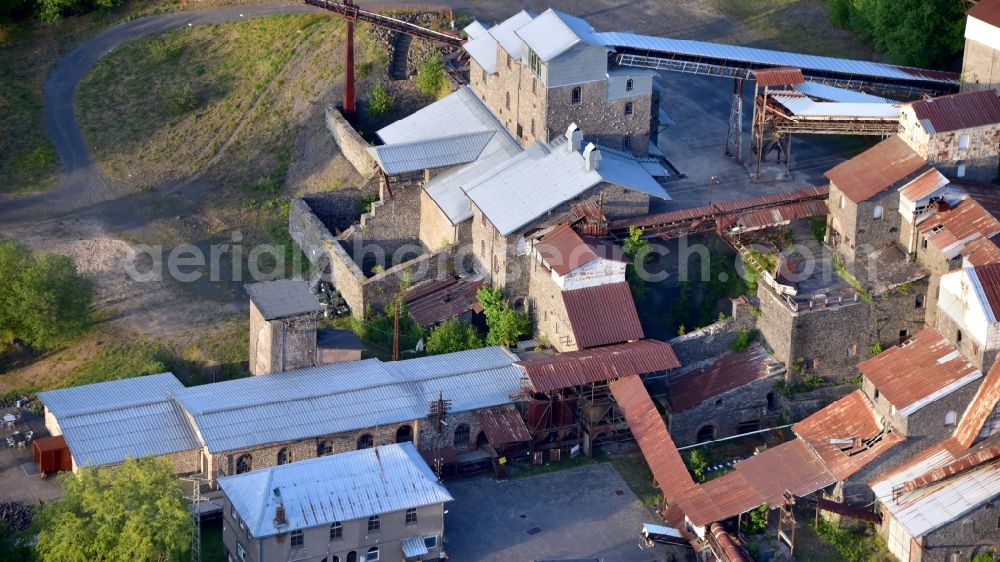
244	464
532	127
520	131
950	418
374	524
323	448
961	169
507	103
508	60
628	108
626	142
534	65
241	552
842	202
366	442
336	531
411	516
919	303
484	75
876	394
903	335
958	336
877	214
852	350
284	457
924	244
431	542
575	95
706	433
297	540
629	85
404	434
372	554
462	435
963	141
772	401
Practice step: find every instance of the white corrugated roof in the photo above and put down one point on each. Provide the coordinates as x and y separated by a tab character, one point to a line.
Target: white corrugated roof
446	189
105	423
484	47
342	487
432	153
803	106
474	29
553	33
832	93
630	173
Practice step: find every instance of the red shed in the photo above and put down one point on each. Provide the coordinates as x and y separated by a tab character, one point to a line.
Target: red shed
51	454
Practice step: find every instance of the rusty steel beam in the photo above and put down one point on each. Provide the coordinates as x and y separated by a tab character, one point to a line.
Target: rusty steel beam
355	13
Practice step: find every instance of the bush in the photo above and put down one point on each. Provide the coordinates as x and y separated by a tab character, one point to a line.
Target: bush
697	461
757	522
453	335
743	340
380	101
430	76
506	325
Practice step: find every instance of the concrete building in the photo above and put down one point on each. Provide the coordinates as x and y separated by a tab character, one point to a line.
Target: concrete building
981	57
382	503
282	326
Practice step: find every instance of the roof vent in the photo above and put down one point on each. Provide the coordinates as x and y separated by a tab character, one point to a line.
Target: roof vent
574	138
591	157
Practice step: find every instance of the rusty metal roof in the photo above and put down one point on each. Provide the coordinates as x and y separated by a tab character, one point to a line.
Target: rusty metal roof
967	219
982	251
853	418
988	278
766	218
953	112
919	371
986	453
771	77
563	250
438	300
503	425
599	364
650	432
980	408
876	169
924	185
987	11
602	315
728	373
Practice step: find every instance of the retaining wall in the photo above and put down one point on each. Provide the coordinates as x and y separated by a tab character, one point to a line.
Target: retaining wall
350	142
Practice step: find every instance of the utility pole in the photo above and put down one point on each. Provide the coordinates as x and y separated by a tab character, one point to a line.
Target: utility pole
196	500
395	330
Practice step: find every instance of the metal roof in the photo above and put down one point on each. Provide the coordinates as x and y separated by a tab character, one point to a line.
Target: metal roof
437	300
964	221
958	111
459	112
784	214
483	48
852	418
821	91
110	395
730	372
563	250
414	547
448	192
503	426
553	33
432	153
986	280
920	371
803	106
876	169
599	364
602	315
474	29
986	11
330	399
282	298
771	77
982	251
632	173
342	487
982	405
924	186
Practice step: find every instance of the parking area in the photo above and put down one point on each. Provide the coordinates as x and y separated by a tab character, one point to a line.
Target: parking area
581	513
19	477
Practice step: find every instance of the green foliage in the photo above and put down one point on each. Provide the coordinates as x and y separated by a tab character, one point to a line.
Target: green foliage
365	203
697	462
757	521
838	266
379	100
120	362
135	511
453	335
743	339
807	384
377	330
431	79
875	349
681	330
924	33
506	325
818	226
44	301
14	546
180	98
750	276
634	244
852	546
983	557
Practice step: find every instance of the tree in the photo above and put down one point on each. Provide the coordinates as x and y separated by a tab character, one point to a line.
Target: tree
430	75
505	324
379	100
757	522
697	461
135	511
634	245
453	335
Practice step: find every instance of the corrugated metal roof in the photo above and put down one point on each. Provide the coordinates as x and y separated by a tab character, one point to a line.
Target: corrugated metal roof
876	169
771	58
771	77
414	547
631	173
985	453
342	487
483	49
553	33
110	395
965	221
459	112
852	417
958	111
430	153
982	251
924	186
802	106
474	29
979	410
282	298
732	371
820	91
503	426
563	250
986	11
986	279
438	300
599	364
924	369
341	397
448	192
765	218
602	315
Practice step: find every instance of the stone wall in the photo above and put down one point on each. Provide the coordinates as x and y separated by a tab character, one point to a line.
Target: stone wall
754	402
859	231
350	142
967	536
378	290
942	151
548	312
602	121
281	345
389	233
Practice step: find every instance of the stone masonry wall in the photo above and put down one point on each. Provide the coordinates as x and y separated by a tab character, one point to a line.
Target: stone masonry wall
972	534
350	142
602	121
548	312
724	412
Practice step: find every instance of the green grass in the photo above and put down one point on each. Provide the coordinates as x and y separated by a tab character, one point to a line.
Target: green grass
635	472
851	280
212	549
119	361
565	463
852	545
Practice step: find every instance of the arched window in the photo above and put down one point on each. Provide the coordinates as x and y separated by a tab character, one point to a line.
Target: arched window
374	524
336	531
951	417
706	433
404	434
366	441
284	456
877	213
629	85
324	448
958	336
352	556
481	439
462	435
575	95
244	464
372	554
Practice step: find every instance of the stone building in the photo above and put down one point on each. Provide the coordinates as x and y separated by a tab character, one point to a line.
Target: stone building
539	74
981	57
958	134
282	326
969	312
323	509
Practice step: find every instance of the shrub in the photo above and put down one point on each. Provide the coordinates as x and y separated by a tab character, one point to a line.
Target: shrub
506	325
453	335
697	462
743	340
430	76
757	522
380	101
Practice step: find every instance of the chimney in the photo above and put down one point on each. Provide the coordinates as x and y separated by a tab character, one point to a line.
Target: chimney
574	138
279	510
591	157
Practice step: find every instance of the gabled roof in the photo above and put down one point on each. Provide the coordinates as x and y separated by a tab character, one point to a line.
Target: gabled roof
437	300
474	29
563	250
919	371
972	217
982	405
459	112
923	186
986	280
732	371
876	169
342	487
818	90
483	48
986	11
553	33
630	172
853	420
432	153
958	111
599	364
982	251
282	298
771	77
602	315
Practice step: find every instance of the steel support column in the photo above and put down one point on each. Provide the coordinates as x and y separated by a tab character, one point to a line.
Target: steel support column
350	109
734	138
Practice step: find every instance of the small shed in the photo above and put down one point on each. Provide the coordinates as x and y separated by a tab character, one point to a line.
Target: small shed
337	346
51	454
